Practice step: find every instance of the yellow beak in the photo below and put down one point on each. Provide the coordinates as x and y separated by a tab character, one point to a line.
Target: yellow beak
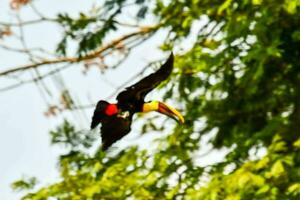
164	109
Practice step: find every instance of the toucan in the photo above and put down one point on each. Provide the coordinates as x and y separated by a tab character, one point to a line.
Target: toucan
116	118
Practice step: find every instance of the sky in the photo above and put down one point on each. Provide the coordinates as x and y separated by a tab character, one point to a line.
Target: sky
25	148
25	144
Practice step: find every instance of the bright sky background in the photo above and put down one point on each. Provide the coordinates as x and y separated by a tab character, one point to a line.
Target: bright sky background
24	140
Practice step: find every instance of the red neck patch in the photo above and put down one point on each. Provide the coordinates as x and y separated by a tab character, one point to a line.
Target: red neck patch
111	109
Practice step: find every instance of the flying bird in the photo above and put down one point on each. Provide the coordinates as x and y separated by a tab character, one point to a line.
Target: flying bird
116	118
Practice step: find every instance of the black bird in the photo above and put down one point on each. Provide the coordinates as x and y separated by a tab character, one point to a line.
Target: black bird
116	118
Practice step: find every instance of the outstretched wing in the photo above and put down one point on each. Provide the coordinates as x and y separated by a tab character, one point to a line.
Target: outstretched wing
98	113
96	118
113	129
139	90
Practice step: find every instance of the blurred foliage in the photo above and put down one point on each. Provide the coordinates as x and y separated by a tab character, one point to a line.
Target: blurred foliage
25	184
89	38
66	136
239	84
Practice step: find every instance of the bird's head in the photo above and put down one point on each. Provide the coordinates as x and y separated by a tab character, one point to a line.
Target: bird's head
103	109
163	109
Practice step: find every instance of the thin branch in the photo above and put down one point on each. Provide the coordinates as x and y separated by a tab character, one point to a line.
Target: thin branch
89	56
25	51
30	22
23	82
36	11
42	20
126	24
32	59
18	50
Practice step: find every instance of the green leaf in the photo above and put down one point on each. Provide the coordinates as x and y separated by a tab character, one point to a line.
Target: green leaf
296	144
263	190
262	163
277	169
294	189
25	184
296	35
224	6
257	2
291	6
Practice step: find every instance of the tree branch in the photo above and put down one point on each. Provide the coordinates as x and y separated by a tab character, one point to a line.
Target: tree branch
23	82
34	21
94	54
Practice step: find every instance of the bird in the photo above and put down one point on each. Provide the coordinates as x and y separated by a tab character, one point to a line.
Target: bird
116	118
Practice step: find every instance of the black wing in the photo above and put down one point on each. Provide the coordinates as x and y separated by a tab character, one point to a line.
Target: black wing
113	129
96	118
139	90
98	113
